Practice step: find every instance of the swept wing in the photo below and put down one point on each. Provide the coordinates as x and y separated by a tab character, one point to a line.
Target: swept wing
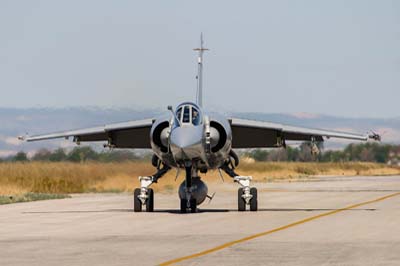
257	134
131	134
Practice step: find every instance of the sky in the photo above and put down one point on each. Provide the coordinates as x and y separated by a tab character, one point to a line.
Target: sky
338	58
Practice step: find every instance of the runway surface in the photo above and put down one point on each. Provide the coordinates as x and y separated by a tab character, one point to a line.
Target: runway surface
331	221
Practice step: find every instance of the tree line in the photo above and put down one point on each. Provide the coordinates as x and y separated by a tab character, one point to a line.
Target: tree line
366	152
77	154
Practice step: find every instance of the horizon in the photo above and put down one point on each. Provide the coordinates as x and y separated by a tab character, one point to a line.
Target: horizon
304	115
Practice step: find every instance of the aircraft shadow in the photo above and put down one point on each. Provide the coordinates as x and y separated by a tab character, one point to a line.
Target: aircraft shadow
177	211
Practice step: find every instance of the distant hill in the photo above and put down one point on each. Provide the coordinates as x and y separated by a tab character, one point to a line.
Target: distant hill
15	122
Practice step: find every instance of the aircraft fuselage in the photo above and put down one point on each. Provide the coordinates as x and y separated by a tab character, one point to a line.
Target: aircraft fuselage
192	137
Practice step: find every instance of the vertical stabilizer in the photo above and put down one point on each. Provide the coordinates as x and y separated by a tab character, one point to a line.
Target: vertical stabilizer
199	95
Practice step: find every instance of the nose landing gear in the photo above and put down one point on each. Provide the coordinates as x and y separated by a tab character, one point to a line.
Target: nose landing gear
188	203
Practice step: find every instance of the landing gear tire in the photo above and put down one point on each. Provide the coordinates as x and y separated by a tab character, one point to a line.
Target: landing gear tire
183	206
193	206
254	200
150	201
241	202
137	204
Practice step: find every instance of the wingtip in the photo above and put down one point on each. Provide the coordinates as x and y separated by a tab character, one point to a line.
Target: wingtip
23	137
375	136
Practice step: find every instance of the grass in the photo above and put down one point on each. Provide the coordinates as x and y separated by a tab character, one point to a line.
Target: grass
64	178
268	171
30	197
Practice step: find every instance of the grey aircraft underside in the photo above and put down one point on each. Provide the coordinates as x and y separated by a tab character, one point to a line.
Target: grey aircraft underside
189	138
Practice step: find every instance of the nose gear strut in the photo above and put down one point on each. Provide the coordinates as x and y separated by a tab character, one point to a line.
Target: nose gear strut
188	202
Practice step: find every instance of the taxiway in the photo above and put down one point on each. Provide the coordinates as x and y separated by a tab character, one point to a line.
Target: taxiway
329	221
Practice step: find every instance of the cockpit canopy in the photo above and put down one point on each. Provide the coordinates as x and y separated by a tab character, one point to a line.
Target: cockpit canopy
188	113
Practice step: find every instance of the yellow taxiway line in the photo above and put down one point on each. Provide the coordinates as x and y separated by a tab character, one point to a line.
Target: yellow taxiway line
248	238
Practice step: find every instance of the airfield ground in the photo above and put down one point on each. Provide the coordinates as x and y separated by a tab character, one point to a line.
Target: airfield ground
329	221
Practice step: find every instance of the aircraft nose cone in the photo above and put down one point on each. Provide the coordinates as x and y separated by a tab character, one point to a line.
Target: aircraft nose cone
186	142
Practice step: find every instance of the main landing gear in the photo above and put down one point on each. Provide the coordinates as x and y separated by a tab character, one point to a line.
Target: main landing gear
193	191
144	196
247	196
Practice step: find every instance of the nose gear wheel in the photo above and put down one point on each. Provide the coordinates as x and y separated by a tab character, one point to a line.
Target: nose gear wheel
190	205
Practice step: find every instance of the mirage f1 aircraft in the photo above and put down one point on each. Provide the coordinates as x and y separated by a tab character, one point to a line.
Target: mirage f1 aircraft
189	138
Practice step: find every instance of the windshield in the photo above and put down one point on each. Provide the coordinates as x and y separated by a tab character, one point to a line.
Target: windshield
188	114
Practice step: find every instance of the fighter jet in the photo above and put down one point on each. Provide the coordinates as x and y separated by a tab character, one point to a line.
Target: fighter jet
191	139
